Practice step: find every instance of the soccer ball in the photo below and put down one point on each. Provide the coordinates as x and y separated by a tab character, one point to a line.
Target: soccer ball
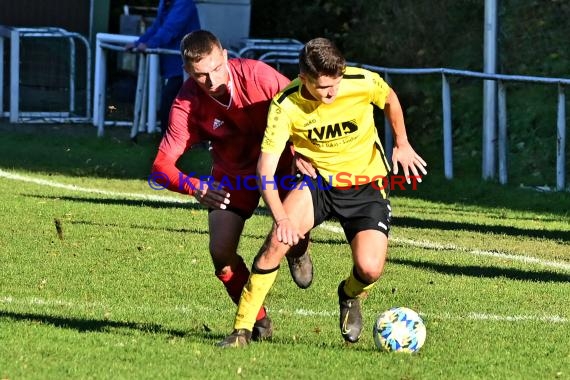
399	330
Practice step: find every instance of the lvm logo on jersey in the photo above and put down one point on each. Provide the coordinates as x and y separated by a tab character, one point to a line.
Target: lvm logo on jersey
331	131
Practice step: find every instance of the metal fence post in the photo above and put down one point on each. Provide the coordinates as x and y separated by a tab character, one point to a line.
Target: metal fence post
489	90
447	128
14	76
502	132
561	140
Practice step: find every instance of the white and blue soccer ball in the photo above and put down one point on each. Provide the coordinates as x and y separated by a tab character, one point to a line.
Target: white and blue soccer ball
399	330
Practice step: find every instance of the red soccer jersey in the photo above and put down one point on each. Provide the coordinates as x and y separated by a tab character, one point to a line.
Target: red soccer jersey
235	132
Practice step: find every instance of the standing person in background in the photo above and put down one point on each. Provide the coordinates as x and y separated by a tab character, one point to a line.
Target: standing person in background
226	102
174	19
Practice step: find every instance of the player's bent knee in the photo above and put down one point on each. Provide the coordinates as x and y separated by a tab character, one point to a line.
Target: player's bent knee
276	248
223	262
272	250
271	246
370	275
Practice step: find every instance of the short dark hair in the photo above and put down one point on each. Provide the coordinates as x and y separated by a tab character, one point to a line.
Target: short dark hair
198	44
321	57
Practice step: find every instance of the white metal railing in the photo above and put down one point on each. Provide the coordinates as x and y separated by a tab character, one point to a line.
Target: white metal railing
145	107
15	115
285	51
277	58
501	79
255	46
147	77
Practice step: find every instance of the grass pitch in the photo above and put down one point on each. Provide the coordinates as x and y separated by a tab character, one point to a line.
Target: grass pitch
124	288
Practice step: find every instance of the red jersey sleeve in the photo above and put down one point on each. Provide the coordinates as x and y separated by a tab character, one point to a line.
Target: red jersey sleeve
178	138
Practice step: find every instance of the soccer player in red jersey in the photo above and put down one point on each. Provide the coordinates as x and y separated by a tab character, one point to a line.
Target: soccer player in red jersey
225	101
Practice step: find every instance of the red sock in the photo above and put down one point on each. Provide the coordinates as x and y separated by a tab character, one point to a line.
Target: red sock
234	280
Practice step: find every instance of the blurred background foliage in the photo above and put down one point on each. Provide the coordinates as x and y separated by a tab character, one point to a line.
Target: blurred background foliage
533	40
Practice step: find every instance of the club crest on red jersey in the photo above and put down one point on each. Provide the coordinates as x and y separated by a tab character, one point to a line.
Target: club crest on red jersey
217	123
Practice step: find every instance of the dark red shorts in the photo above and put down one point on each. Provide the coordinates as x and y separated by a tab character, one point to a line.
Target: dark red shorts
244	189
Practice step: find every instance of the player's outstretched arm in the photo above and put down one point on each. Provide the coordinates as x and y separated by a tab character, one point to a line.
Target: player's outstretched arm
266	167
165	175
403	153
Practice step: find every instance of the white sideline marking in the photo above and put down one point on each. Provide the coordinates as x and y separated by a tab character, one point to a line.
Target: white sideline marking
452	247
516	318
34	301
45	182
478	252
43	302
328	227
468	316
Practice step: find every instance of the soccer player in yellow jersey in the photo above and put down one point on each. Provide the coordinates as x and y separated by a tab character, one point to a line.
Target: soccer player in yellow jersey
327	113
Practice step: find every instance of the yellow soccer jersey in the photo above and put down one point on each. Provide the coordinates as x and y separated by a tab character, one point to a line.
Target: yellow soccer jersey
339	138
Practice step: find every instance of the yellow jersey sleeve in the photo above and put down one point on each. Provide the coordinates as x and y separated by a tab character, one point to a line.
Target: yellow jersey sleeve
379	90
278	130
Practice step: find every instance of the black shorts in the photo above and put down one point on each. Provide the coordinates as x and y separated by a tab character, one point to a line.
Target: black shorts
357	208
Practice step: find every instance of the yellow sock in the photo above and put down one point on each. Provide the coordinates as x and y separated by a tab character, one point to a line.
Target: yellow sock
354	287
252	297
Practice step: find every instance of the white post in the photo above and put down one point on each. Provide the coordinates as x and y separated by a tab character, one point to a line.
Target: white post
96	81
141	126
490	90
100	77
72	75
561	140
153	75
503	143
139	94
99	91
102	93
447	128
14	76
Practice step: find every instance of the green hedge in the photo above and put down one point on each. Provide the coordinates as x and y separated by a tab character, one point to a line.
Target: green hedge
533	40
